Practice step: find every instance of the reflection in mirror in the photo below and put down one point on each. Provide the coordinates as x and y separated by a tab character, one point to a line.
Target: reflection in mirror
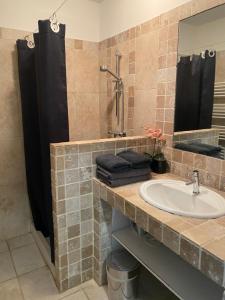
199	125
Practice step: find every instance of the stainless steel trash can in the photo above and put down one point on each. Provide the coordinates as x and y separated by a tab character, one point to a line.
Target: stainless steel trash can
122	275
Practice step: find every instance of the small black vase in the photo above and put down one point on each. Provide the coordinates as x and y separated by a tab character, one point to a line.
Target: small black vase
149	156
159	166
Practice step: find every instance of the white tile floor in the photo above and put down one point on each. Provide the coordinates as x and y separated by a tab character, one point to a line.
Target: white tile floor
24	275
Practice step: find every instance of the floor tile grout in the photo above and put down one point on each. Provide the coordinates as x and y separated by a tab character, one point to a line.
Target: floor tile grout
21	275
14	267
18	247
21	290
86	295
20	285
4	281
27	243
73	294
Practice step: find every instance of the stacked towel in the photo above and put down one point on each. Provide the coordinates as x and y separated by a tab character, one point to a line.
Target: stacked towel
112	163
124	181
124	168
136	160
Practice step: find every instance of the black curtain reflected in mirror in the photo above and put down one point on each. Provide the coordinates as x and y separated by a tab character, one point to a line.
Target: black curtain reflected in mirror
187	93
45	95
208	73
194	92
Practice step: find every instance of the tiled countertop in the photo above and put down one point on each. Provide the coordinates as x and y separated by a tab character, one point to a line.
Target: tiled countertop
200	242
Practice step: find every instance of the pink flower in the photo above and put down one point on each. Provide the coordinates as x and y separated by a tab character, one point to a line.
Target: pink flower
153	133
149	131
157	133
159	140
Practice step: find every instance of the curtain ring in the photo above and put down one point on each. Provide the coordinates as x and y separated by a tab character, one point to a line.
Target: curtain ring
54	24
203	54
212	53
53	18
55	27
30	44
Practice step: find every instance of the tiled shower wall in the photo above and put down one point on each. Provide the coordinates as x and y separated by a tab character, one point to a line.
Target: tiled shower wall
15	216
82	63
139	73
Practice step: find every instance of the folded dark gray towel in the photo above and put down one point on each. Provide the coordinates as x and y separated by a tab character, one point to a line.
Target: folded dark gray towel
123	174
112	163
137	160
208	147
200	148
122	181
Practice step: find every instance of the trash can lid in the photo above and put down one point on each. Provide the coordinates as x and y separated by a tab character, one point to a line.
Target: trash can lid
121	260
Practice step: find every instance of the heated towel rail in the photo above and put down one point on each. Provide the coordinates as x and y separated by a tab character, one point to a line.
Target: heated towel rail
219	113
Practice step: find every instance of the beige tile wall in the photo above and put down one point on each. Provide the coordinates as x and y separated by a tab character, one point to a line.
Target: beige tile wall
207	136
82	62
149	74
220	66
14	209
138	69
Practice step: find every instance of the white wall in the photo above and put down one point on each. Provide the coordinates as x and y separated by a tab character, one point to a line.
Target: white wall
120	15
81	17
85	19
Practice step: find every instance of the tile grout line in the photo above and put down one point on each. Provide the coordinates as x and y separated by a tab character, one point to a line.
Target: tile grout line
14	267
73	294
20	287
83	289
11	257
19	247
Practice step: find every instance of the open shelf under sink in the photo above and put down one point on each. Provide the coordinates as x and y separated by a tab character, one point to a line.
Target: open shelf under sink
178	276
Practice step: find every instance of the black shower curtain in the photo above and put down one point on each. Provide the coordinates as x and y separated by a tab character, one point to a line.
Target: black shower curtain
207	91
31	132
194	92
187	93
51	103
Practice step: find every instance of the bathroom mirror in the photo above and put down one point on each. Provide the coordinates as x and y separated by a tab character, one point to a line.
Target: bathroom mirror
199	124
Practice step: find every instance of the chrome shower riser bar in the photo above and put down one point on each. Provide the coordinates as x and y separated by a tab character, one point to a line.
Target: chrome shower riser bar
119	93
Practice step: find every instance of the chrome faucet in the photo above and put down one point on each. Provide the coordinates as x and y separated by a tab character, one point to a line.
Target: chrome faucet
117	133
195	182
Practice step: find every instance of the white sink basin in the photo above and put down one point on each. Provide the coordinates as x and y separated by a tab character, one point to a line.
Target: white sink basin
175	197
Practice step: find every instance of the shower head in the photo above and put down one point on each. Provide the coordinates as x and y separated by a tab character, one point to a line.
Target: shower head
104	68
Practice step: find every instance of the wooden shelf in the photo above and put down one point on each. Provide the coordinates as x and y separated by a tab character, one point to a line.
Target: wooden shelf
178	276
